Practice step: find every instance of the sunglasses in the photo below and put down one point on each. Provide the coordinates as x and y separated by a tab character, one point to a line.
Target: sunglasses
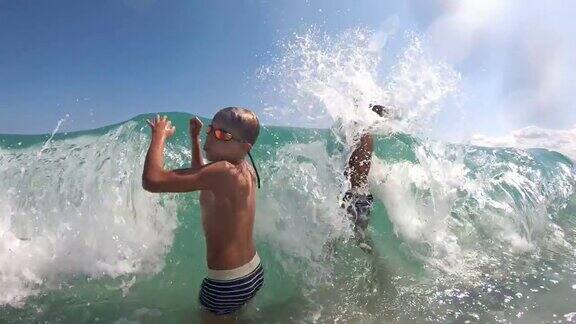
223	135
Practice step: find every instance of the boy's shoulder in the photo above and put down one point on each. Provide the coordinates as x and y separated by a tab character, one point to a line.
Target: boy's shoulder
225	168
221	166
229	173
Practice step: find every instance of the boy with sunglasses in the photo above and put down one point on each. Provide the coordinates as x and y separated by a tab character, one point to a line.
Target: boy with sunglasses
227	188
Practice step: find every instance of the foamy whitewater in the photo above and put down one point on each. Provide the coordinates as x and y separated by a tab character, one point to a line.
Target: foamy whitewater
461	233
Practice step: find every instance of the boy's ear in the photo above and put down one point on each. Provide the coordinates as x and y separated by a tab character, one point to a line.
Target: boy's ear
247	146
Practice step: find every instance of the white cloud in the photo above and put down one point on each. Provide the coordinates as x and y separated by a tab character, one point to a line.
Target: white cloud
459	30
524	48
563	141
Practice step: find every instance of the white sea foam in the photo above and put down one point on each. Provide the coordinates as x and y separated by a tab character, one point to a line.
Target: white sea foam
324	79
78	209
320	79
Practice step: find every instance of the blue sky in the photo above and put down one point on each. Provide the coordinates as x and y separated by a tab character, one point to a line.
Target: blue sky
106	61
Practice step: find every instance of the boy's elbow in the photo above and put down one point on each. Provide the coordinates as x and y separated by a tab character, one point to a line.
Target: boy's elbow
151	184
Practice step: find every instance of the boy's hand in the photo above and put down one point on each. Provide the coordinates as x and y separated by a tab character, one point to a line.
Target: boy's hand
195	127
161	126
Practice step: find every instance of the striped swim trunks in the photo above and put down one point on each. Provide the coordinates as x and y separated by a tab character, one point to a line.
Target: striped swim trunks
225	291
359	206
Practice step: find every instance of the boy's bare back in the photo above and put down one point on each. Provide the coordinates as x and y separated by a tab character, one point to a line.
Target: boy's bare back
228	218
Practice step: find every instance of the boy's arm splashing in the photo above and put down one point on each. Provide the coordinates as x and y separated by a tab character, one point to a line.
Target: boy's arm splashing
197	159
154	164
156	179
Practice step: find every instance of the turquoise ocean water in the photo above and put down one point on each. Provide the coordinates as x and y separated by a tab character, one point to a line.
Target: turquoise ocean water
461	233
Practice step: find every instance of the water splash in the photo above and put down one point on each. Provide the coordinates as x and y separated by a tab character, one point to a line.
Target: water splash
47	143
475	218
319	79
79	209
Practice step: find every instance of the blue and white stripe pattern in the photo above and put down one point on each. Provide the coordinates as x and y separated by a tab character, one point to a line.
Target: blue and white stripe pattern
359	208
223	297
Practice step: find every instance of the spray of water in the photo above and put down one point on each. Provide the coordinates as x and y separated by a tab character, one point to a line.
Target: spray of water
78	210
472	216
47	143
334	80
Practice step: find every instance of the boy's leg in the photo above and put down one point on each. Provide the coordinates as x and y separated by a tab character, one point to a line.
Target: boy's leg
210	318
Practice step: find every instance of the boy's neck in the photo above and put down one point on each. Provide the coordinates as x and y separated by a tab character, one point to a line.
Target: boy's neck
236	162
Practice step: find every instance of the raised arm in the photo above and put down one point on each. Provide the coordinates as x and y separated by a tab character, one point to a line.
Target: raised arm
154	164
156	179
197	159
213	176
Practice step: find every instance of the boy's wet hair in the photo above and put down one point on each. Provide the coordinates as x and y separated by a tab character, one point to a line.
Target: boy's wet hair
244	121
382	111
